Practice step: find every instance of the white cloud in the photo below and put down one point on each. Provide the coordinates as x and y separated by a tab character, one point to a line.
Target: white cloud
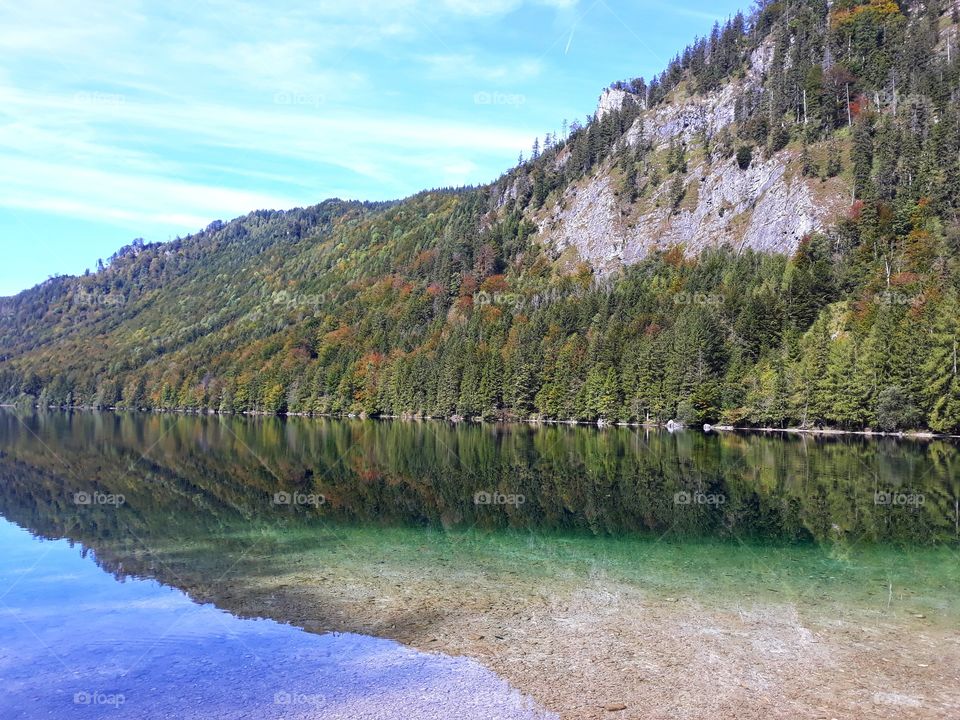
149	113
75	157
122	198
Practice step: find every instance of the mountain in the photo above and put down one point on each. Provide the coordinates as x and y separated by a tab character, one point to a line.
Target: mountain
766	233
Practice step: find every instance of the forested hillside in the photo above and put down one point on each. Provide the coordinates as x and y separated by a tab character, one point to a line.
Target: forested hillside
459	303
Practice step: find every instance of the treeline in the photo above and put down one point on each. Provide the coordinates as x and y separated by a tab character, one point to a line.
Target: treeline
820	338
445	304
822	64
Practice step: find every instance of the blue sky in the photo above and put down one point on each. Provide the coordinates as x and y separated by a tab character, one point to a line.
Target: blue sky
150	119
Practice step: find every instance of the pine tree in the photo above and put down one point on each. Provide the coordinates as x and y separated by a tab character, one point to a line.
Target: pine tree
676	192
807	168
941	366
811	395
847	384
833	166
885	179
862	157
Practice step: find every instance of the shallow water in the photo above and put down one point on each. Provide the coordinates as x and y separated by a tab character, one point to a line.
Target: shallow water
77	643
165	537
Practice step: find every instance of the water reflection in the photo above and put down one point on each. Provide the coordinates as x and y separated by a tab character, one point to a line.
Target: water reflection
202	472
473	540
77	644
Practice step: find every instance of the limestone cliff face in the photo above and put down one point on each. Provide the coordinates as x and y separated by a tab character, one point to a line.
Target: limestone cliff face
708	113
611	100
766	207
769	206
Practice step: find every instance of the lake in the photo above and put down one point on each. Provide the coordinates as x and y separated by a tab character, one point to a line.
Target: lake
185	566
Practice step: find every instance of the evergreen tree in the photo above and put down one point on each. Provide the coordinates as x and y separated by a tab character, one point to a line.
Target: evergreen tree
862	157
940	369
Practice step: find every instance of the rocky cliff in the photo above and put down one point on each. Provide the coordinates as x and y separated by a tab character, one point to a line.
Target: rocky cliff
769	205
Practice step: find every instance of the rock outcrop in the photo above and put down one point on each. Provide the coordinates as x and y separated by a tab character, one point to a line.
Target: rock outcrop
611	100
769	206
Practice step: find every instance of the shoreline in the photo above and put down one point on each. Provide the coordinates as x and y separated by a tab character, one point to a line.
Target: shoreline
669	426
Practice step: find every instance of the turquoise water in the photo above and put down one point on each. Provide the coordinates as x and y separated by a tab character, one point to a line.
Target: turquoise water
144	553
77	643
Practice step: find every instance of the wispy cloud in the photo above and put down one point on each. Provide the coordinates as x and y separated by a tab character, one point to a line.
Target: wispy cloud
122	197
110	138
159	116
72	156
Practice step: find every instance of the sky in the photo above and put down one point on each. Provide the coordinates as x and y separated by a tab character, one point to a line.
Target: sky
151	119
